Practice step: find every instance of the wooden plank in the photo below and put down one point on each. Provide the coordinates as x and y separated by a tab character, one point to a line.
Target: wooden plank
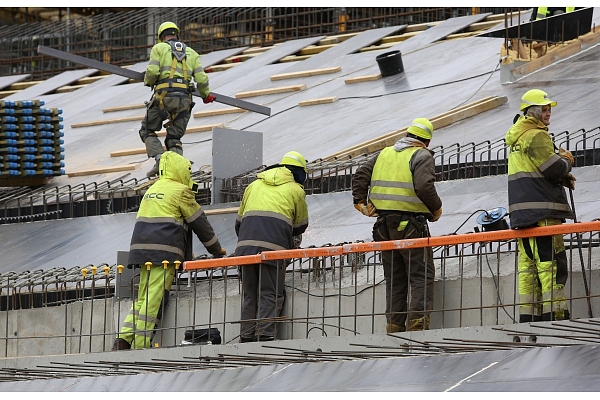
547	59
363	78
294	58
302	74
108	121
263	92
123	108
221	111
105	170
311	50
195	129
228	210
323	100
438	122
130	152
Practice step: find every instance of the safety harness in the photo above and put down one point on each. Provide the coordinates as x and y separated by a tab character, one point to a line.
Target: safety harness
172	83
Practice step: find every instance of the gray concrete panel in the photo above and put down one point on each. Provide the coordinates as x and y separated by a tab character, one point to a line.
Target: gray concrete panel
563	369
330	56
437	32
215	57
6	81
51	84
270	56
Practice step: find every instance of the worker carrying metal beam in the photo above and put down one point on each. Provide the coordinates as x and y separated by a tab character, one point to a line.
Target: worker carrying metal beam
536	197
170	71
397	187
163	234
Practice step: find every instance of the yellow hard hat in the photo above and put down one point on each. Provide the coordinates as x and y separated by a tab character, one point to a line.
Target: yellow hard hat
421	127
536	97
294	158
164	26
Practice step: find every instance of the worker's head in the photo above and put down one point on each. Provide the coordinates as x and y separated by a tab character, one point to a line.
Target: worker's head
167	29
536	103
176	167
296	163
421	129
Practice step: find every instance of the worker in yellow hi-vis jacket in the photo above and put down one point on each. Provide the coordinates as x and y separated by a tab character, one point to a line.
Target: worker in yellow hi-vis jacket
167	213
170	71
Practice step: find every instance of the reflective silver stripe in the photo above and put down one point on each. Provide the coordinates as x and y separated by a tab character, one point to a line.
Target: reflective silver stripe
160	247
537	205
290	155
210	242
533	175
168	69
260	243
400	185
268	214
128	325
418	125
239	218
394	197
549	163
195	216
148	318
160	220
203	85
153	62
199	69
147	334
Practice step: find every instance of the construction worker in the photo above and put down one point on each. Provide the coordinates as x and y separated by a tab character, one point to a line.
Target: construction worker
272	216
403	197
168	214
536	197
170	71
544	12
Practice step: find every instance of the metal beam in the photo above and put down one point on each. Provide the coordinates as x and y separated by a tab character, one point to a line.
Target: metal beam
139	76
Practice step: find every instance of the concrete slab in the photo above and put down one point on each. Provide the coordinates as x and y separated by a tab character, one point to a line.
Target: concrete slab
51	84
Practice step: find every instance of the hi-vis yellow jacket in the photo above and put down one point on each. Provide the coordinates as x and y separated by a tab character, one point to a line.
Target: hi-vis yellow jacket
273	210
161	61
401	179
535	191
167	212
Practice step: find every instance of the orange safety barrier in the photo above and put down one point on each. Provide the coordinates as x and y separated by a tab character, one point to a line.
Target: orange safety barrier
448	240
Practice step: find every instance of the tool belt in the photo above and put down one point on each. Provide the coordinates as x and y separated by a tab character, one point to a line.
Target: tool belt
408	223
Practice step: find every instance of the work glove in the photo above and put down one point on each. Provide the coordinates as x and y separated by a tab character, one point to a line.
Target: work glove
436	215
566	154
209	99
568	181
367	209
297	241
222	253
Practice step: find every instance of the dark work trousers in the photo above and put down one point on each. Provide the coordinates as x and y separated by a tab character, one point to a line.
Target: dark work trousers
176	129
402	268
263	296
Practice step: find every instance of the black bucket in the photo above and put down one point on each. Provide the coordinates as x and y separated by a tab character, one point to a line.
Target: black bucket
390	63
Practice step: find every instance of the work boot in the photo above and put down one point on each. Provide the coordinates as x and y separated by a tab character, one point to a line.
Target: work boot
392	328
153	171
418	324
244	339
265	338
120	344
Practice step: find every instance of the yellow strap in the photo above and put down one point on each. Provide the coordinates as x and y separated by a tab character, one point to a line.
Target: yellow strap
173	68
185	75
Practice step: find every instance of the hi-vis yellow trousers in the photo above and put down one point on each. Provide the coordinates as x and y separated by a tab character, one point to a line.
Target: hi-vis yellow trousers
139	324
